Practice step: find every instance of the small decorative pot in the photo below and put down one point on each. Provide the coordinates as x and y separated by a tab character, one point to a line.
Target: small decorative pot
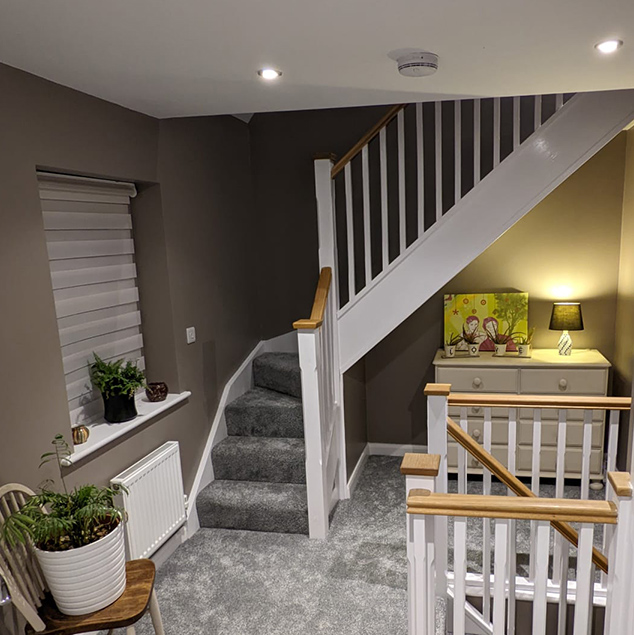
500	350
80	435
87	578
523	350
474	350
119	408
156	391
450	351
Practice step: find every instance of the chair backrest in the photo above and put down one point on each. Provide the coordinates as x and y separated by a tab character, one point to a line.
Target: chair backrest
18	566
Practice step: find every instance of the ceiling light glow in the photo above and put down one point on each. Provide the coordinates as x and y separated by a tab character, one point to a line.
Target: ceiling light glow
269	73
609	46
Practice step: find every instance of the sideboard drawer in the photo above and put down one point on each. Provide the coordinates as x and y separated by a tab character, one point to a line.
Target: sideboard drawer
479	379
562	381
574	434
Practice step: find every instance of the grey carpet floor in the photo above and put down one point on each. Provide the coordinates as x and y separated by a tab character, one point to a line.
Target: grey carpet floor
231	582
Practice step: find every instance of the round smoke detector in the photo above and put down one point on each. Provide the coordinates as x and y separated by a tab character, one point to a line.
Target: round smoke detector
413	63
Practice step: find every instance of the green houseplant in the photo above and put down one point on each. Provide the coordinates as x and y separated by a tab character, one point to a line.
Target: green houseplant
524	344
77	537
118	381
451	343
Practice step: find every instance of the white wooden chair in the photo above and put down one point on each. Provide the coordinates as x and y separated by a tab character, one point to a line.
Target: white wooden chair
23	577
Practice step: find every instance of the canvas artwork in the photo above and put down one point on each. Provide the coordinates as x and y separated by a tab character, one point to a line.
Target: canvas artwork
482	313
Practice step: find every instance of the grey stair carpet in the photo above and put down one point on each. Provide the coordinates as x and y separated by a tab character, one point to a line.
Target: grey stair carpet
265	413
279	372
260	468
277	507
260	459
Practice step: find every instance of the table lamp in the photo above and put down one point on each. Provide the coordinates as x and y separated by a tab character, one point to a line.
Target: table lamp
566	317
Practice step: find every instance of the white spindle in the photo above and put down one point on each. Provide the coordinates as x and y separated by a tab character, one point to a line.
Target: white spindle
460	575
585	454
347	172
538	112
438	142
367	246
613	439
562	615
559	101
542	531
420	171
512	445
476	141
512	557
462	456
585	581
402	227
496	131
516	122
536	464
384	207
486	533
500	574
458	151
559	490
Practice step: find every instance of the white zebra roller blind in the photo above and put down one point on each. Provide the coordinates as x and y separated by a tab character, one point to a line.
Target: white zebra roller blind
88	228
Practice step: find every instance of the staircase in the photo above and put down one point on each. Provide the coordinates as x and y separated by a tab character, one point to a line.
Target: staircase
260	467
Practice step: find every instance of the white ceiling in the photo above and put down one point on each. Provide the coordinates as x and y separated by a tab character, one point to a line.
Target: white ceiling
173	58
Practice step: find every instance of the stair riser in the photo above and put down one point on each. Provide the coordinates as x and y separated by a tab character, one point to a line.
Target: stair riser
237	466
263	421
217	516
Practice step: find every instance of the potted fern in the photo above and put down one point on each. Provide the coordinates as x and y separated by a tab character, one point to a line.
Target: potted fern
77	537
118	382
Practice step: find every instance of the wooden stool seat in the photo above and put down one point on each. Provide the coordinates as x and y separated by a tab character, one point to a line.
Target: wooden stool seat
127	610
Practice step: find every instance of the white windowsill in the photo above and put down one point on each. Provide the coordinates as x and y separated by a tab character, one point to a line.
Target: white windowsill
102	432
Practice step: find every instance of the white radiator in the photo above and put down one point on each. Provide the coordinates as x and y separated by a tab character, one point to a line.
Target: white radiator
155	502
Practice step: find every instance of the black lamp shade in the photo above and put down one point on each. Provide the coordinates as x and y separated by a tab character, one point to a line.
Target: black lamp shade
566	316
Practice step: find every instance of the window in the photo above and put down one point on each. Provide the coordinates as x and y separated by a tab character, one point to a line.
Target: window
91	255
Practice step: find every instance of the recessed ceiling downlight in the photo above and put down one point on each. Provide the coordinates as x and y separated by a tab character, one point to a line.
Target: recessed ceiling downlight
608	46
269	73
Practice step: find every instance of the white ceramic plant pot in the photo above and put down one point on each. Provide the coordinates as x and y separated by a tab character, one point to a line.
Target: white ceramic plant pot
450	351
523	350
88	578
500	350
474	350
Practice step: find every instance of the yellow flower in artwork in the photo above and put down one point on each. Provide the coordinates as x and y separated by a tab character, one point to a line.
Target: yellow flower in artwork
483	316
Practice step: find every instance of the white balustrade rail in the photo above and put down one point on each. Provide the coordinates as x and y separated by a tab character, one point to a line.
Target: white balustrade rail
536	585
417	163
323	434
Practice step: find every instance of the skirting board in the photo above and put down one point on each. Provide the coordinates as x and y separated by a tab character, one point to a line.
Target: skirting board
394	449
353	481
240	382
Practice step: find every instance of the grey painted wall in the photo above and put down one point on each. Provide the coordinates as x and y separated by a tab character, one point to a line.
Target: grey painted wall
194	231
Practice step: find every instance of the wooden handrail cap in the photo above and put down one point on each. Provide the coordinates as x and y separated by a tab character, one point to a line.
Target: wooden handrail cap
621	483
438	390
420	464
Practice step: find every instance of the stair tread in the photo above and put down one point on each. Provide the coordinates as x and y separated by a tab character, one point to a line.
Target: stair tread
279	372
275	507
270	459
265	413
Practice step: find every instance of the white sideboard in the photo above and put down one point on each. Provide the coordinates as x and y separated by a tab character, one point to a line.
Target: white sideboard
585	372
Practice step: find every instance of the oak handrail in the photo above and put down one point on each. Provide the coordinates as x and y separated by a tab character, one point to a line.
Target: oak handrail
316	318
562	402
421	501
515	485
365	139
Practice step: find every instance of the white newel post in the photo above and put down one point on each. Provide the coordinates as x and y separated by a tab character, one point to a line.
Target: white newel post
437	412
619	615
325	196
316	488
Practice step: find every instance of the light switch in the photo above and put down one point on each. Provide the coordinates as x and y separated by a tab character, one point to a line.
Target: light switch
191	334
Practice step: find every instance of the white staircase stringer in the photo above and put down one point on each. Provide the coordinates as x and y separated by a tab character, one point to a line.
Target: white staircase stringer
567	140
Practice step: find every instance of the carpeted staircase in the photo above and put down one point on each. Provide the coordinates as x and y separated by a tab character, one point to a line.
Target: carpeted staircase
260	467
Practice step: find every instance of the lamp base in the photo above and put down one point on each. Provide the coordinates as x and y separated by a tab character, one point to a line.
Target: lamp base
565	344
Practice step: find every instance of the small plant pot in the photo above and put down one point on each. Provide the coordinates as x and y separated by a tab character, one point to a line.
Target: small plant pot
450	351
87	578
156	391
500	350
119	408
474	350
523	350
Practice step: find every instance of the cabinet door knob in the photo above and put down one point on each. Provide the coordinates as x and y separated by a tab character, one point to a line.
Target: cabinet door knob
476	434
477	382
563	384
